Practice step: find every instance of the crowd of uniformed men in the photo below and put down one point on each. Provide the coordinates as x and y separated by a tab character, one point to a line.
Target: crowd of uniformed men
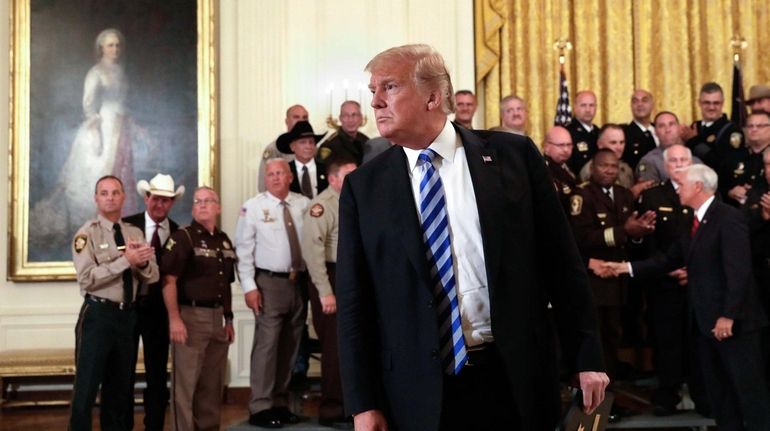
618	185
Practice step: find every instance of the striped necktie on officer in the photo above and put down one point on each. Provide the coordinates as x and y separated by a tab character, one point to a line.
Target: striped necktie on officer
435	227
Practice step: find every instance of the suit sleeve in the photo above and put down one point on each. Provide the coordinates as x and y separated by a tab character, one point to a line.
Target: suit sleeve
563	274
356	313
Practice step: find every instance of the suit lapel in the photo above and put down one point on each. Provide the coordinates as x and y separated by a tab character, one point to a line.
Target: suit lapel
708	220
487	186
405	212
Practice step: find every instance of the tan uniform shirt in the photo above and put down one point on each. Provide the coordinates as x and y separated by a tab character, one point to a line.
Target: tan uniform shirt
320	233
99	264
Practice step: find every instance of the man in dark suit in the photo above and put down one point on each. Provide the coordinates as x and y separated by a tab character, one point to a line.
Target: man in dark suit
443	330
667	293
151	316
723	302
309	174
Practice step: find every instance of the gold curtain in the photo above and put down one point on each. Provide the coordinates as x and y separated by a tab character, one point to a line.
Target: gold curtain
668	47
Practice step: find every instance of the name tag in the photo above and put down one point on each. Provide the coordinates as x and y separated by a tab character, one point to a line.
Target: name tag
666	209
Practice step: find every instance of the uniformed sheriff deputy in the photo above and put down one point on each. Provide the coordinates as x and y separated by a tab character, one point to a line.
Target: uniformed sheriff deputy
603	220
271	271
111	258
714	137
743	167
557	149
319	248
584	132
198	267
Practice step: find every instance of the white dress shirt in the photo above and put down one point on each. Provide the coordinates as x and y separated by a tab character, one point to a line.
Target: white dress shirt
260	235
464	231
149	229
311	171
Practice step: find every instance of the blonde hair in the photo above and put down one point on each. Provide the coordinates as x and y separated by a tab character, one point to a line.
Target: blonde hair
428	70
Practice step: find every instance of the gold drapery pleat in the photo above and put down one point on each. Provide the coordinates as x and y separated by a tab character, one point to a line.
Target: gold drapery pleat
668	47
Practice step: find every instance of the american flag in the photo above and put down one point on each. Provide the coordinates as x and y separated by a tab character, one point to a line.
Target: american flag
563	110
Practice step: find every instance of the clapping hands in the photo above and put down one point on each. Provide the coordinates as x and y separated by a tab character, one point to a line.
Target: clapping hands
605	269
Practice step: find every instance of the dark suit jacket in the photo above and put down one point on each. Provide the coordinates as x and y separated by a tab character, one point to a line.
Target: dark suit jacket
156	289
388	334
320	173
719	276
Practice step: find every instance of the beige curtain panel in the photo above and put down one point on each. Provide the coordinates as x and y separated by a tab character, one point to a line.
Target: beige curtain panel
670	47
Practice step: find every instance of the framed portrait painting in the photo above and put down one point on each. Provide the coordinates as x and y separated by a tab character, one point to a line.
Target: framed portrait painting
110	87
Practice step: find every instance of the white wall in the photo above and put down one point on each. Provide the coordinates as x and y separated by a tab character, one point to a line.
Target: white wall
273	53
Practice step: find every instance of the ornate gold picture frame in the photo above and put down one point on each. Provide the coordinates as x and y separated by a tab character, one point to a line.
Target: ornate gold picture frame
80	110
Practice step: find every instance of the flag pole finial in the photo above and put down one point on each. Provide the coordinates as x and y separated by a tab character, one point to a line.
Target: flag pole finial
738	44
563	46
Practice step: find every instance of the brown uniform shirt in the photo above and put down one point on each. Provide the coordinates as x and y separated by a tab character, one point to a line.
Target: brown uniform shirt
204	264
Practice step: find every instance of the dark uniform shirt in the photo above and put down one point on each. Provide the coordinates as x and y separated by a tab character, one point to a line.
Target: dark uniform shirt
672	221
714	143
638	143
740	167
564	181
597	223
204	264
343	144
583	144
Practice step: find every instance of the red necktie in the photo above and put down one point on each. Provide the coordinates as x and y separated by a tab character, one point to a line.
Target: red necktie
695	225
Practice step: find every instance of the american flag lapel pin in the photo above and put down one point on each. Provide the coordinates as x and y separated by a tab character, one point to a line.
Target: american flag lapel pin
486	159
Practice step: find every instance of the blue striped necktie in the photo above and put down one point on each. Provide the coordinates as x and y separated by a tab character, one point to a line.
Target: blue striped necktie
435	228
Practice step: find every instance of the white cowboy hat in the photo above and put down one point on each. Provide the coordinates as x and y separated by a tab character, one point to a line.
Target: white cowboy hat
160	185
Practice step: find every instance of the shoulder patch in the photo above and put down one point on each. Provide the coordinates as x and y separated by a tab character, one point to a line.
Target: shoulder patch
735	140
266	154
79	243
576	205
316	210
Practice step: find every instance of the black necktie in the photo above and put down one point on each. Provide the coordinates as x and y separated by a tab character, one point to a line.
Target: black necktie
307	189
128	281
609	194
155	242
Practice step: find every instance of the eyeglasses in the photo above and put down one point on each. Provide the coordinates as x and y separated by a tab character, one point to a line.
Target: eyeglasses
205	201
757	126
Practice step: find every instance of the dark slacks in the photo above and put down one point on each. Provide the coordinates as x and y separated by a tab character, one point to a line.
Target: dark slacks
326	327
152	327
734	377
103	356
480	397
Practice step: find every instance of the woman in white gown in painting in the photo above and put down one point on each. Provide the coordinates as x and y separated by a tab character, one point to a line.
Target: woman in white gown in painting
102	146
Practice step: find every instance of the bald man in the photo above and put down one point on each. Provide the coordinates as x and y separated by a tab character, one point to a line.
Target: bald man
640	132
557	148
584	132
